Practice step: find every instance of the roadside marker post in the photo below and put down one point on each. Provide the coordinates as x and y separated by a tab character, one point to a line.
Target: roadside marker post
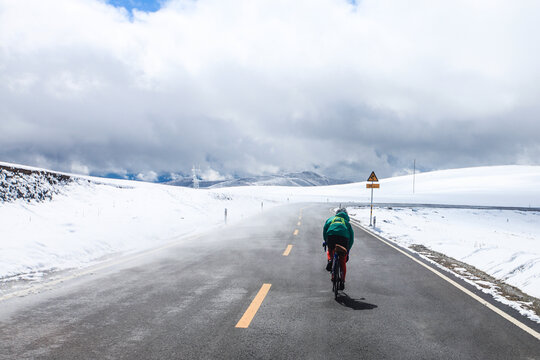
373	178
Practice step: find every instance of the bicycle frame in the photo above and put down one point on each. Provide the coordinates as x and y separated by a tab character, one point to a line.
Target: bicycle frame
336	274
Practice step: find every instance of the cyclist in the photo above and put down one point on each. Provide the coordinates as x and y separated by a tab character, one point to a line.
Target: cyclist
338	231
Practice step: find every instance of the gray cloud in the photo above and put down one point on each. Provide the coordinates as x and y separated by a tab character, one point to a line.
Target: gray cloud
248	88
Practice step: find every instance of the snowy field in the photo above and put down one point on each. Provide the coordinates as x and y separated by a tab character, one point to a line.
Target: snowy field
88	220
502	243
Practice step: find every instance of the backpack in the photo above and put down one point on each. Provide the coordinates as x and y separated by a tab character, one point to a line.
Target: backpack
338	223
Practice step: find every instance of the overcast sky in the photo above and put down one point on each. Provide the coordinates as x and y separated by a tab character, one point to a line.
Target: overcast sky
244	87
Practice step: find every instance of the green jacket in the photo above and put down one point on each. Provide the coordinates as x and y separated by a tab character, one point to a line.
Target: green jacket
339	225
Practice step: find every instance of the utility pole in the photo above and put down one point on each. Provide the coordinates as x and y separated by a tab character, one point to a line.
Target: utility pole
195	178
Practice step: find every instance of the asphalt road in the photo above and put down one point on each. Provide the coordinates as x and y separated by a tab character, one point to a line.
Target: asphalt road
184	301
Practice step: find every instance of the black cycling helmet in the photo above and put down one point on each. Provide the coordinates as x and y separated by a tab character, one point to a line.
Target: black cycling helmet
342	210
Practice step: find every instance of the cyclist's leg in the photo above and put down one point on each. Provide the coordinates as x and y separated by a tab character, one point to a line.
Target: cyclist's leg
330	254
329	260
343	264
330	243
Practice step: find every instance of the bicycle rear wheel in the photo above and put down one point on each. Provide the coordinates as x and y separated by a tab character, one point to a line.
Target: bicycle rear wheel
336	278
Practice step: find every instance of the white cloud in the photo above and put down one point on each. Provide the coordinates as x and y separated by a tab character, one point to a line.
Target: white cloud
252	86
212	175
174	176
150	176
78	168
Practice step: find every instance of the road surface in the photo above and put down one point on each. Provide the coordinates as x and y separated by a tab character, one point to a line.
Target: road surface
185	300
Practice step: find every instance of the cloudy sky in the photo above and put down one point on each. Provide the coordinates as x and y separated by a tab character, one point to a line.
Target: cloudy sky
244	87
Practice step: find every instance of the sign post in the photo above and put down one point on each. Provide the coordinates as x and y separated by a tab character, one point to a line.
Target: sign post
373	179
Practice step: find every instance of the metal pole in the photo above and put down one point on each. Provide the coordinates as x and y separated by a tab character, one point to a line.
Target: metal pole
371	210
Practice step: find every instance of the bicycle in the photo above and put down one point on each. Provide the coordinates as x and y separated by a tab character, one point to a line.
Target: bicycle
337	272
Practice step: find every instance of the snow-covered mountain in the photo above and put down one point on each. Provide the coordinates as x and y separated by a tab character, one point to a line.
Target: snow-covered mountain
187	181
304	178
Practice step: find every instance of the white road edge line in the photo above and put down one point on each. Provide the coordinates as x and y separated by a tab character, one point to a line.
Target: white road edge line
466	291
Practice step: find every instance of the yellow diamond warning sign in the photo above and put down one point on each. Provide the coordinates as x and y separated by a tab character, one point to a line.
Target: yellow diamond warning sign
373	177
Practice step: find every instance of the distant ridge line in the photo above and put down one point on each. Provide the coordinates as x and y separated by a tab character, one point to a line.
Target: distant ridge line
446	206
59	175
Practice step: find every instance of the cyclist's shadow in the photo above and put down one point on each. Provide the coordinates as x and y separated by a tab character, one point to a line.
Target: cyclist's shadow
354	304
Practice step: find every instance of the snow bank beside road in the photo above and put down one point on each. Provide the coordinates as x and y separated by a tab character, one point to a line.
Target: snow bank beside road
502	243
88	220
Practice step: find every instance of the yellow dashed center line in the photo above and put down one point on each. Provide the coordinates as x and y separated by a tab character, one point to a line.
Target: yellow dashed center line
287	250
295	232
299	223
254	307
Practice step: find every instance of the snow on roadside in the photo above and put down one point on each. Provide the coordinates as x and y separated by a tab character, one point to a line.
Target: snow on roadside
503	243
89	220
